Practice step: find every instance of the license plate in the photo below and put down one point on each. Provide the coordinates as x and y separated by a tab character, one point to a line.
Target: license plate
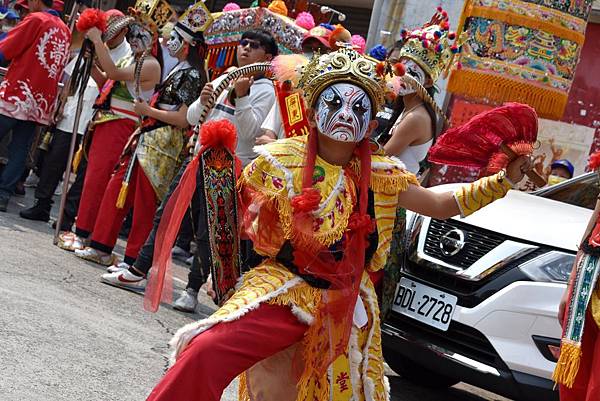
425	304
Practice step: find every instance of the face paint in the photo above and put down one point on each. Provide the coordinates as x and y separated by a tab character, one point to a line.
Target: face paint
343	112
139	38
414	70
174	44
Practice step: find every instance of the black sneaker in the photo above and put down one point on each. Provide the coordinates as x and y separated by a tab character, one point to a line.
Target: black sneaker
4	204
39	212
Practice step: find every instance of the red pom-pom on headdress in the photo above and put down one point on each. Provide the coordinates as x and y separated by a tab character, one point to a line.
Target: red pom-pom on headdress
218	133
380	69
91	18
594	163
399	69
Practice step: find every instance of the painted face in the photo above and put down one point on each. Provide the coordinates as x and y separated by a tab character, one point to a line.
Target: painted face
175	43
139	38
414	70
343	112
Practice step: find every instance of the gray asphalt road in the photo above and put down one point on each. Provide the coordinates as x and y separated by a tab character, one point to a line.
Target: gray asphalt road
65	336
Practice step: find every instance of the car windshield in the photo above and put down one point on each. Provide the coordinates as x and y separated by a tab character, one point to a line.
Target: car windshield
579	191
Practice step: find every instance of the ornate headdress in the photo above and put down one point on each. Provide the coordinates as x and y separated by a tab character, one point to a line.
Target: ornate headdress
430	46
193	22
117	21
344	65
152	14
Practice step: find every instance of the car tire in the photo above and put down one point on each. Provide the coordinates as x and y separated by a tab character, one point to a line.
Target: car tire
415	373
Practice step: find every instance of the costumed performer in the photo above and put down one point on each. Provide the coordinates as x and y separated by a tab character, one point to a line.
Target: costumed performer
578	368
304	324
426	54
115	119
157	146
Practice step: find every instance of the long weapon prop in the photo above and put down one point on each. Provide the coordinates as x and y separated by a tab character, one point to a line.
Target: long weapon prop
159	277
77	84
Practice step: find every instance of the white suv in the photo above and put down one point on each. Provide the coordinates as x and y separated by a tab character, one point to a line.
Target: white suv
478	297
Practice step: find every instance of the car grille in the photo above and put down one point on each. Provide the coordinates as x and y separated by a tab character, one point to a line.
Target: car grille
478	242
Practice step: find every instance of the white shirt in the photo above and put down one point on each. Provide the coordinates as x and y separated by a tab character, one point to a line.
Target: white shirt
247	115
273	122
89	95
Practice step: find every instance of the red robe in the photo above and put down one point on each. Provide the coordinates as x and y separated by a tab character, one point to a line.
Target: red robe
38	48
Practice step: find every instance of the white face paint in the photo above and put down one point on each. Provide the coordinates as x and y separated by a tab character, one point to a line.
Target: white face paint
139	38
343	112
175	43
414	70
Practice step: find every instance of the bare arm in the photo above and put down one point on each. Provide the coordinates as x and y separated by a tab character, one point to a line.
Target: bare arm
415	128
423	201
98	76
176	118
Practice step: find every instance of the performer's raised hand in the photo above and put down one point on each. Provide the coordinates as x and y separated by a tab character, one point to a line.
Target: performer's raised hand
94	34
516	169
242	86
206	93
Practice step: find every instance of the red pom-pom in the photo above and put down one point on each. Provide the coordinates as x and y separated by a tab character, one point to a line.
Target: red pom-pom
440	9
445	14
307	201
445	25
399	69
594	163
380	69
361	222
91	18
218	133
452	35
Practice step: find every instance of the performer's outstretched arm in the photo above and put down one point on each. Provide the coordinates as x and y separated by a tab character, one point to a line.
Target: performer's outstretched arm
176	118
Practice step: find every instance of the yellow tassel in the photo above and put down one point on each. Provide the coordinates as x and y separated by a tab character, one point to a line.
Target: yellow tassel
568	363
122	195
243	394
498	89
77	159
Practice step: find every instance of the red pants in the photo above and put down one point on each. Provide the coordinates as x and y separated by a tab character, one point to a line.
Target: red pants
141	196
587	382
107	145
217	356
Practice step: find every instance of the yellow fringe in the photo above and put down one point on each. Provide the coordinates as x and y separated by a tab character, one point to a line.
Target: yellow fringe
77	159
122	195
513	18
498	89
243	394
568	364
396	183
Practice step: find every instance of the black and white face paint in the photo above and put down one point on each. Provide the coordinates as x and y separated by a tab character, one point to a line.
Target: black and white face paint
139	38
414	70
175	43
343	112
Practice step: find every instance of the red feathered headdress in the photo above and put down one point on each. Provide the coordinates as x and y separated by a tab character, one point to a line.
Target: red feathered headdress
91	18
219	133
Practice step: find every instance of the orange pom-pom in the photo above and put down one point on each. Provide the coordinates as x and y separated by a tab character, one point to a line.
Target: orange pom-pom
594	163
306	202
339	34
91	18
399	69
380	69
218	133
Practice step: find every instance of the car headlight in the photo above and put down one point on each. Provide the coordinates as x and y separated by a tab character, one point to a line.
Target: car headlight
554	267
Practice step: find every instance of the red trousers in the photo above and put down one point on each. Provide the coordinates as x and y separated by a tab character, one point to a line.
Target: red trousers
587	382
108	142
141	196
217	356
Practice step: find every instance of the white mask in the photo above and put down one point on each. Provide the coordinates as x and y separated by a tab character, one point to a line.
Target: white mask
174	44
343	112
414	70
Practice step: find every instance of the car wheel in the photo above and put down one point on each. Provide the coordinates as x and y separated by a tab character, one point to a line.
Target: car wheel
420	375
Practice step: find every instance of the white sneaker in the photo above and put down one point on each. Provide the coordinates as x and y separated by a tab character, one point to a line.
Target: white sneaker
124	279
187	301
93	255
117	267
32	181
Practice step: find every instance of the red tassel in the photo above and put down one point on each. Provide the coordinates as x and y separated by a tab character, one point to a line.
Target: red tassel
594	163
307	201
91	18
218	133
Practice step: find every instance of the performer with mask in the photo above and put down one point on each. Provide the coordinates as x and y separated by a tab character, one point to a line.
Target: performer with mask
304	324
115	119
414	117
162	137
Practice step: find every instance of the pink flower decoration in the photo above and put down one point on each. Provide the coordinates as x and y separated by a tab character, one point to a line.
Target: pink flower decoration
359	42
231	7
305	20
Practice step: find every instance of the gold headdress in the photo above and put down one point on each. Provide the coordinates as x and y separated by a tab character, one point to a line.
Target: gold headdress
152	14
344	65
430	46
194	21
